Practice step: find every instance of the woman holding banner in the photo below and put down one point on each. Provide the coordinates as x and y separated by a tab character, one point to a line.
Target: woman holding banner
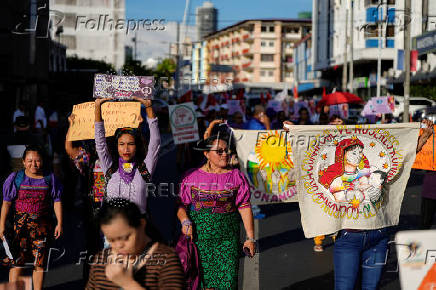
365	251
129	168
210	199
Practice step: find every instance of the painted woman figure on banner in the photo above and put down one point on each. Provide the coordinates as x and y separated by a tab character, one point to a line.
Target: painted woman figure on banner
348	177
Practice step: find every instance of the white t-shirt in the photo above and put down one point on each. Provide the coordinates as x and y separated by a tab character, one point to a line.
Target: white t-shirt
40	115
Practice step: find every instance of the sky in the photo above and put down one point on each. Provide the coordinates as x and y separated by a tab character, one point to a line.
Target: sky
154	44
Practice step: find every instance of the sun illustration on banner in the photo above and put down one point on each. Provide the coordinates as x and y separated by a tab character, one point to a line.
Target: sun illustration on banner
272	150
269	164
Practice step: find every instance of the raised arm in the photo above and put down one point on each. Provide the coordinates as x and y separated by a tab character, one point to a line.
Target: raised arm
426	133
154	143
100	138
71	151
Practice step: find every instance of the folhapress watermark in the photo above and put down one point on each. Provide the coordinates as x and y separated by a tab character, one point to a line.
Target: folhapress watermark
104	22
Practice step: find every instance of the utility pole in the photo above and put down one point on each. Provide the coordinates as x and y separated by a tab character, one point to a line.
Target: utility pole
380	44
177	80
345	66
352	48
134	42
407	10
424	15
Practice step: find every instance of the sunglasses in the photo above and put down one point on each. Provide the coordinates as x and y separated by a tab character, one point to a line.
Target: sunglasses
221	151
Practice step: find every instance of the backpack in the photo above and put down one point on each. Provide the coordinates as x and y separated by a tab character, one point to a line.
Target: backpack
19	177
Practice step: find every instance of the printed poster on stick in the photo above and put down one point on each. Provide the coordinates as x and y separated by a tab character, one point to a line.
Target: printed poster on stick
266	160
352	177
183	123
425	159
123	87
115	115
416	259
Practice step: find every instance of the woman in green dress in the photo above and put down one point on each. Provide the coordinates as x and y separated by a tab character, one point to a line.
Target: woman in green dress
213	199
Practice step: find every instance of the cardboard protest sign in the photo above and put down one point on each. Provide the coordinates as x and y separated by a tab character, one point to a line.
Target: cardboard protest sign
123	87
115	115
352	177
416	259
425	159
183	120
266	160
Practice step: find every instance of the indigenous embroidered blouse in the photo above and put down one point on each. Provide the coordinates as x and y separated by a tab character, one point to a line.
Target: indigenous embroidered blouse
33	195
225	192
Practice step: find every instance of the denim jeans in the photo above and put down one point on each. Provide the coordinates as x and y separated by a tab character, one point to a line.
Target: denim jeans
359	252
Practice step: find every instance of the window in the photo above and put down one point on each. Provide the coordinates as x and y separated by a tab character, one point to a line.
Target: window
263	29
271	29
270	73
262	73
262	43
390	31
420	103
271	44
267	57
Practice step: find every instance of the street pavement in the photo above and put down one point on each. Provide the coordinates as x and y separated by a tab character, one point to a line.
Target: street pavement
286	259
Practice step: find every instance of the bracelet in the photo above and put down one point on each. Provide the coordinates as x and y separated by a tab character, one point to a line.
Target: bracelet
251	240
186	222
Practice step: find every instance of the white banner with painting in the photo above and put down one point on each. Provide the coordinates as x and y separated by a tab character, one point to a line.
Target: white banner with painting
352	177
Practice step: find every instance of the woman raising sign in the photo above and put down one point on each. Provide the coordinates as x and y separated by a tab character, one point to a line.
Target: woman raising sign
129	169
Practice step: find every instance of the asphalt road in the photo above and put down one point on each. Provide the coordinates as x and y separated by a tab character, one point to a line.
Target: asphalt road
286	259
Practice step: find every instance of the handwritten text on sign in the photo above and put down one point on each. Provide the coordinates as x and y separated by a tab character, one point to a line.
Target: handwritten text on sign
115	115
122	87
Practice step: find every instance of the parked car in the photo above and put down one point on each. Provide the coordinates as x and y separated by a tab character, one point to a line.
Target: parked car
427	113
415	103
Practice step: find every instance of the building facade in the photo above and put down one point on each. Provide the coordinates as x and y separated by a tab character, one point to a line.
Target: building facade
331	18
93	29
257	51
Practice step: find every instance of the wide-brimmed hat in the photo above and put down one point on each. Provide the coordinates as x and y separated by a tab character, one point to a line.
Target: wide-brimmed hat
207	144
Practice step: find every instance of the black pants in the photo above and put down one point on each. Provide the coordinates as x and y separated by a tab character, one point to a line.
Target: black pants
428	209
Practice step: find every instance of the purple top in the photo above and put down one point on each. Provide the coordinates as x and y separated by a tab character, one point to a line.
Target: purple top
223	192
136	191
429	185
32	195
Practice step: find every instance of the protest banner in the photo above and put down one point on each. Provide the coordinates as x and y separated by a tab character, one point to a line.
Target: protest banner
416	255
425	159
265	158
183	120
352	177
115	115
123	87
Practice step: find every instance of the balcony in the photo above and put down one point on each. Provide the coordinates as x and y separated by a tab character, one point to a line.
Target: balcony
247	38
247	66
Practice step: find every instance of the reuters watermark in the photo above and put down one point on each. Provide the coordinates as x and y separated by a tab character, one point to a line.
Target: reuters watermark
104	22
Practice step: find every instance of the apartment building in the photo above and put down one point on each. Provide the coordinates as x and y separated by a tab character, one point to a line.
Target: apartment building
255	51
93	29
332	18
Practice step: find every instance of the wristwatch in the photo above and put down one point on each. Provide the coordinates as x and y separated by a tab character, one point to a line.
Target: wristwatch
251	240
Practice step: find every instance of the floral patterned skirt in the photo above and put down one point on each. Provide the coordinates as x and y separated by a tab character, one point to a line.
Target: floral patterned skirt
217	239
30	243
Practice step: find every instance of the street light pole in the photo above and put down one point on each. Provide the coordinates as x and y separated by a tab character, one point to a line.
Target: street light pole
352	48
407	10
345	66
379	33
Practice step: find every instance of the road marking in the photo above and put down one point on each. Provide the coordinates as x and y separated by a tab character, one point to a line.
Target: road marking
251	266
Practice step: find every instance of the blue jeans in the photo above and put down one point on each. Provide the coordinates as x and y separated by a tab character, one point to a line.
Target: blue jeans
363	252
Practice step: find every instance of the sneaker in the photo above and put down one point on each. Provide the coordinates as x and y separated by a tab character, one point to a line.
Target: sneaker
318	248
